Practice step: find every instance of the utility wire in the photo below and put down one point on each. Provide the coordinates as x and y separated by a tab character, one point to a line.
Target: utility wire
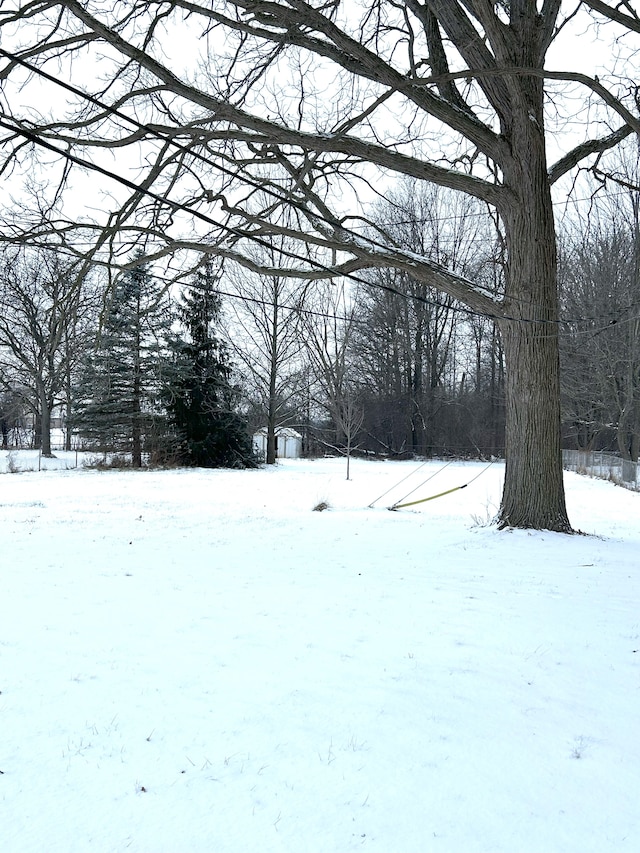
36	139
156	133
310	312
178	206
255	300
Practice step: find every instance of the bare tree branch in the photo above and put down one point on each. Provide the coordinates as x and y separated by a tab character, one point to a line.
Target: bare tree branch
631	21
586	149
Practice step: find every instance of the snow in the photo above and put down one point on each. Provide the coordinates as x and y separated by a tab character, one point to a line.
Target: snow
198	661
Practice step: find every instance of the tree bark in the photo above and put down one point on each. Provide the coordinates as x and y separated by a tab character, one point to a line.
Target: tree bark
44	422
533	495
272	403
136	415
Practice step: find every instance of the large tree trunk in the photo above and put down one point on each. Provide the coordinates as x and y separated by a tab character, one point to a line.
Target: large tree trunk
533	495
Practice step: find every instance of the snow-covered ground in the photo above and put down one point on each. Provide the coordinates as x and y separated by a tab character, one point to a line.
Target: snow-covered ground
198	661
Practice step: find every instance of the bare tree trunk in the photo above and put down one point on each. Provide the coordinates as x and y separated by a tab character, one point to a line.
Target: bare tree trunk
136	426
533	478
136	432
44	422
496	418
68	388
272	402
348	417
533	491
417	419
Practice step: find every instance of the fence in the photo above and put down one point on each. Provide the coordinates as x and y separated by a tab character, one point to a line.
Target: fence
605	466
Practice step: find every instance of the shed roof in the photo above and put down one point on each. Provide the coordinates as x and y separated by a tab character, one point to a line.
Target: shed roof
287	432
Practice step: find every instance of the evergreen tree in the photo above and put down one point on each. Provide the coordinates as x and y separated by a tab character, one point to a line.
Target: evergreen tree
200	399
118	401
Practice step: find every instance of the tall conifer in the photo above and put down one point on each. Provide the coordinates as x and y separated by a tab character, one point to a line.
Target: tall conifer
118	401
200	398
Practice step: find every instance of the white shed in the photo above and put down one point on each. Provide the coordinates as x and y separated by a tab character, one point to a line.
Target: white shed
288	443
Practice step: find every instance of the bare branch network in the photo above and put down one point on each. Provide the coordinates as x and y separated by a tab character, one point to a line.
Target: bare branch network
276	155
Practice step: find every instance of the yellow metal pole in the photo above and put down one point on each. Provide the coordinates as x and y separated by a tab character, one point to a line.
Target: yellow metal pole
432	498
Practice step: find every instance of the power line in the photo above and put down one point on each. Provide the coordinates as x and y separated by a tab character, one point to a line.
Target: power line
590	332
156	132
177	206
231	294
37	139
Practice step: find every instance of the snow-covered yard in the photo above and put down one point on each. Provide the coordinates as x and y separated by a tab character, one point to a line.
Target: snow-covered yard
198	661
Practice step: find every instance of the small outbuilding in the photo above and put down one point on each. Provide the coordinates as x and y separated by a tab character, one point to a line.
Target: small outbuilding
288	443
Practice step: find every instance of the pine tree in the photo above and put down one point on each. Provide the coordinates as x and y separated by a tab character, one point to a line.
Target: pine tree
200	399
118	400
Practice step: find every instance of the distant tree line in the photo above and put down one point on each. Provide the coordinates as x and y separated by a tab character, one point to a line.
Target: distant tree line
386	366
